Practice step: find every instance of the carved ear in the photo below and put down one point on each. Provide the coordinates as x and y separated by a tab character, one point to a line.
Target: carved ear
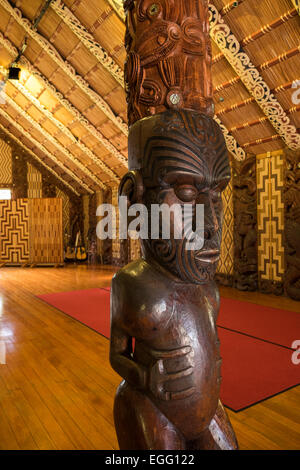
132	187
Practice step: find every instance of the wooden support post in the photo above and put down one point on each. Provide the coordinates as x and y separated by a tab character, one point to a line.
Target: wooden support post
167	301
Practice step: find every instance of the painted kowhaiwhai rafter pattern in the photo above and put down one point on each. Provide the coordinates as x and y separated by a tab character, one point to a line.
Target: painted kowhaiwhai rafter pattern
53	53
63	101
250	76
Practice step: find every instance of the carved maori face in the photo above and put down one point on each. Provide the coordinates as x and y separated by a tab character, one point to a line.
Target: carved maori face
168	57
183	160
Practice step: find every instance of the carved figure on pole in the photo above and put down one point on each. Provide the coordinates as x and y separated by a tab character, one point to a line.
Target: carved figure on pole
164	306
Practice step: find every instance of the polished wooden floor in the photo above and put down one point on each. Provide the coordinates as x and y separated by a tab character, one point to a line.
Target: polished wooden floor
57	387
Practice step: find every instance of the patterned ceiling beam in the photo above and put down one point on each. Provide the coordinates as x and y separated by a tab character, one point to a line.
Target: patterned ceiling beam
37	144
88	40
53	53
241	63
55	142
65	130
232	145
48	168
63	101
296	3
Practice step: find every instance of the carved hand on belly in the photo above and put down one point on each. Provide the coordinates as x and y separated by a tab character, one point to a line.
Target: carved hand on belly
170	367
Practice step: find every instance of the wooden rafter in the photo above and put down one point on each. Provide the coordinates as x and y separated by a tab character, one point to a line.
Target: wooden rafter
246	102
63	101
296	3
293	109
88	40
272	138
230	6
25	92
249	74
280	58
262	31
39	145
48	168
53	53
55	142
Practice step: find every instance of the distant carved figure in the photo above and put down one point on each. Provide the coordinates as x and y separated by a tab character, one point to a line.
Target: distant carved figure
292	224
245	231
164	306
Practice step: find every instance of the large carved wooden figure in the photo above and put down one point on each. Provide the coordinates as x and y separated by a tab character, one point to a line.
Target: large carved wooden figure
164	306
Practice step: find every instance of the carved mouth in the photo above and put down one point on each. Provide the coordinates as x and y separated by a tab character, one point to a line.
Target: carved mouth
208	256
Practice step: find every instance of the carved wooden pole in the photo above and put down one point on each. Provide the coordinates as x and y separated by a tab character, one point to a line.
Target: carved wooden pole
292	224
167	301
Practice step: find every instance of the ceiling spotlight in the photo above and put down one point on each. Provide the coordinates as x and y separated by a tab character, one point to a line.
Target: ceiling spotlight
14	73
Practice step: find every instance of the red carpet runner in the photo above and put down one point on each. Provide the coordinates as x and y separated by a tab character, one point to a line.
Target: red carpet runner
253	368
270	324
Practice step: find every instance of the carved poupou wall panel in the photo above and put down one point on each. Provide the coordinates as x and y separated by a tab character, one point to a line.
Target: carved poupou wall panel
14	231
245	224
226	263
270	214
169	57
5	163
292	224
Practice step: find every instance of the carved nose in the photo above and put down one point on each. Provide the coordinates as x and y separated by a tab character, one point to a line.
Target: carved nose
211	221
